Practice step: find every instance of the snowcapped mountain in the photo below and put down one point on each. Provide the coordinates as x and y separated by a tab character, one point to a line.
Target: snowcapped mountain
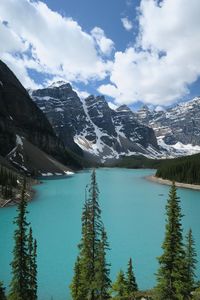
177	129
102	133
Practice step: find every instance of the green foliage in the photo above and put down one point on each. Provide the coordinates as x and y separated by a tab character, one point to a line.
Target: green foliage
24	269
190	262
20	272
91	272
136	162
196	294
171	277
76	285
119	287
8	181
184	169
32	266
131	285
2	292
102	270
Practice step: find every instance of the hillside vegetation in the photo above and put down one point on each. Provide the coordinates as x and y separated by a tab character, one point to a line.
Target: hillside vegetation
184	169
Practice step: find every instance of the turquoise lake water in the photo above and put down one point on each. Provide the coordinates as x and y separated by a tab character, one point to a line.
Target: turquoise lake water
133	213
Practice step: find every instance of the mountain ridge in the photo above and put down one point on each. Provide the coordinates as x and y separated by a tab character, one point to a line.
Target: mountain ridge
99	131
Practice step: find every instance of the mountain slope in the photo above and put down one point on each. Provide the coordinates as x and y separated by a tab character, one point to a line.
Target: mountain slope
99	131
20	117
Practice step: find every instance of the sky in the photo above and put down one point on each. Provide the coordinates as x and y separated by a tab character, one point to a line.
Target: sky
132	51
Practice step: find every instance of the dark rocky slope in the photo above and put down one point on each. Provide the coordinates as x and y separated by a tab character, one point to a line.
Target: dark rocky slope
21	118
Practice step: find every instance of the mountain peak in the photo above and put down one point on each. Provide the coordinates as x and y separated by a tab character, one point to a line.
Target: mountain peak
124	108
61	84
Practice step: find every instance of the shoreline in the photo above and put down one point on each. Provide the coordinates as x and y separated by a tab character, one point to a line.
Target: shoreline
155	179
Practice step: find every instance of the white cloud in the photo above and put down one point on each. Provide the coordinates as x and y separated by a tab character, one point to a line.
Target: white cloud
18	66
81	94
106	45
165	59
127	24
57	45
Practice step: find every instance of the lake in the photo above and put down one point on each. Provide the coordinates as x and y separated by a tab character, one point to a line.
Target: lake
133	211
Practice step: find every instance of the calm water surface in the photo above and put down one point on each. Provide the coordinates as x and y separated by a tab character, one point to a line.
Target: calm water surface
133	213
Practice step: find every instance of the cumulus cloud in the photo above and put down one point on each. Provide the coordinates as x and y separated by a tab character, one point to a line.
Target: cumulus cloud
56	45
165	59
105	45
82	94
127	24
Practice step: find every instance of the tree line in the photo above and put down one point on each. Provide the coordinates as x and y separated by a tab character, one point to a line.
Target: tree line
8	182
175	278
184	169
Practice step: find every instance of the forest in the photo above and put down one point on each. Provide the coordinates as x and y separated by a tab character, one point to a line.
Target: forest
184	169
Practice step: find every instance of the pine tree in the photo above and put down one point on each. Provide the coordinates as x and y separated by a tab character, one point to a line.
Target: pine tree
85	257
190	262
76	290
102	279
34	277
131	285
119	286
92	229
92	261
2	292
20	272
32	266
171	277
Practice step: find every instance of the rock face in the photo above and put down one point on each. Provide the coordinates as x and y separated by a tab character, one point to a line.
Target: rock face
20	117
177	129
90	124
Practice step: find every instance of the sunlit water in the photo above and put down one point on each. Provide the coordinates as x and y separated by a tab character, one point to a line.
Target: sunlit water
133	211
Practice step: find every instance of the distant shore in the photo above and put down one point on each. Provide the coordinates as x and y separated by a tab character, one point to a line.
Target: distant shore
169	182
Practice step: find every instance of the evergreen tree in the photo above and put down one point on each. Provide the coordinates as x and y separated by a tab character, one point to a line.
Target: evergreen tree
190	262
131	285
2	292
32	266
102	279
76	290
34	277
119	286
91	237
20	273
171	277
85	258
91	264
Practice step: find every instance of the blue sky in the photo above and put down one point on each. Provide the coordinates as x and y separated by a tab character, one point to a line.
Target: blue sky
131	51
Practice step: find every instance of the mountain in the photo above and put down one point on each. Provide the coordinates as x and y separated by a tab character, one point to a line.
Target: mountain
21	121
177	129
92	125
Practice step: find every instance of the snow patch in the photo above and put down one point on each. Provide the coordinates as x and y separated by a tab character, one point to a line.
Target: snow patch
47	174
59	109
178	149
69	173
19	140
